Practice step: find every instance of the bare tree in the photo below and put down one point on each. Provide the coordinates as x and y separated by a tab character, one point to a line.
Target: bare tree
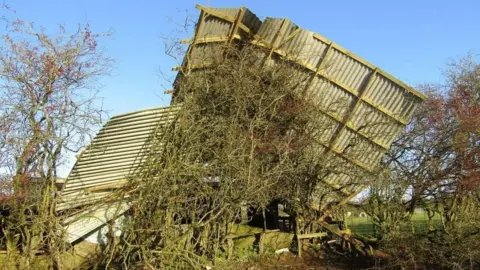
48	107
435	165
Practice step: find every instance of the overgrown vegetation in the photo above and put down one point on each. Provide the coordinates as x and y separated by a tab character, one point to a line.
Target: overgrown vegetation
435	166
247	135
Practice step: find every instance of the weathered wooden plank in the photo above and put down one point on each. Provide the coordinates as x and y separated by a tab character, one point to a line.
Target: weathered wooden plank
312	235
236	24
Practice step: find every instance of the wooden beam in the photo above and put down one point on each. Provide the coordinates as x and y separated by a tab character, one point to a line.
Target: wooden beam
297	233
351	111
215	13
292	35
208	39
312	235
236	24
319	66
384	110
322	61
358	163
275	41
195	36
346	124
342	202
115	185
359	246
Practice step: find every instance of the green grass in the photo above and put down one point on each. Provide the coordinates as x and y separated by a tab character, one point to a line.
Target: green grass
364	225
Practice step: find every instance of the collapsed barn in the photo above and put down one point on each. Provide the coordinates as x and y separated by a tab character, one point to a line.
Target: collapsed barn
365	108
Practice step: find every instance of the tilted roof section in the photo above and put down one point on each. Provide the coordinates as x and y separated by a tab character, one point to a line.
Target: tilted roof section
366	106
80	225
115	153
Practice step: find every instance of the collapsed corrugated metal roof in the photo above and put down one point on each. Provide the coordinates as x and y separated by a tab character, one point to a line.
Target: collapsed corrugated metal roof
365	104
118	149
80	225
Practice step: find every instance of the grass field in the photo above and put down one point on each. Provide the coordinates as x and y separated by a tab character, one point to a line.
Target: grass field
364	225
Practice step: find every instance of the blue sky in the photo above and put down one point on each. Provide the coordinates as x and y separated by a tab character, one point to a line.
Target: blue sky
410	39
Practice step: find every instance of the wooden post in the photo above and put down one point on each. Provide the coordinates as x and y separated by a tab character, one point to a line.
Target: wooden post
312	235
260	242
235	24
297	235
230	247
260	245
244	214
350	113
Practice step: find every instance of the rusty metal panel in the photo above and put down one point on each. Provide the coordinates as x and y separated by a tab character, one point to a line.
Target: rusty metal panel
119	148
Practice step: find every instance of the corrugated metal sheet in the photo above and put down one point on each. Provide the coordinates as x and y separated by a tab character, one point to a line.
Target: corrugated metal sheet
365	107
217	22
117	150
82	224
